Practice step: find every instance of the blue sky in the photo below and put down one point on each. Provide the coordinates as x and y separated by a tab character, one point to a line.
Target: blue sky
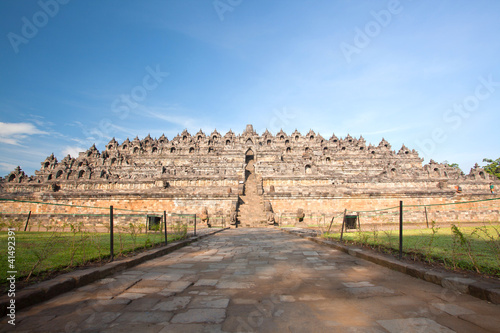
421	73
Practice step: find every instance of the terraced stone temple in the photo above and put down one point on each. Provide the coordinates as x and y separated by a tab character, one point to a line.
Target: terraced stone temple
239	175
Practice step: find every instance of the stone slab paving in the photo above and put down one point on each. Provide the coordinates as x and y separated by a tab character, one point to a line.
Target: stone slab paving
259	280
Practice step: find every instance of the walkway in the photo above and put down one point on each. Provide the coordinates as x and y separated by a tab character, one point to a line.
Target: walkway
260	280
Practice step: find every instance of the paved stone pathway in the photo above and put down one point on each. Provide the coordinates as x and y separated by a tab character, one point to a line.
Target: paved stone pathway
260	280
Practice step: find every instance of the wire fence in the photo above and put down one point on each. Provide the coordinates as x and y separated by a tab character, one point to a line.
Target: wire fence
56	236
467	213
467	236
46	237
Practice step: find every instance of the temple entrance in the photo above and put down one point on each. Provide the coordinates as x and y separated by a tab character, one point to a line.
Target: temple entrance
249	156
249	163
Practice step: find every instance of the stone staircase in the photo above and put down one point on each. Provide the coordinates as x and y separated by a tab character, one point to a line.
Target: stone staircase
251	204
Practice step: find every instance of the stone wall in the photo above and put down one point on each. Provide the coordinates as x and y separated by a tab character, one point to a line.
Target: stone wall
443	210
190	172
178	205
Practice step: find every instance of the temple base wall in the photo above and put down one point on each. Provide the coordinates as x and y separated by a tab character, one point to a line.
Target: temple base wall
56	212
418	210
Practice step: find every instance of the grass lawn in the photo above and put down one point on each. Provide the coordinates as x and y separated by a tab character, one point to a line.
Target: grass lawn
470	248
45	252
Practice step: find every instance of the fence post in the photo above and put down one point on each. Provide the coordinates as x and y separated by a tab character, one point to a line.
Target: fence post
343	224
330	225
400	229
111	250
165	222
195	225
426	217
27	221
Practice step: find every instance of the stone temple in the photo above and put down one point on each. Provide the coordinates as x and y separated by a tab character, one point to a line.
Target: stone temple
255	179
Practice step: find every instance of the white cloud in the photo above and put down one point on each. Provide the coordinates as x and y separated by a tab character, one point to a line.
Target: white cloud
169	114
7	167
176	118
73	151
14	133
40	120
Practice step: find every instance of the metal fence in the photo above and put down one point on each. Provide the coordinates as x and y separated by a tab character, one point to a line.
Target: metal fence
50	236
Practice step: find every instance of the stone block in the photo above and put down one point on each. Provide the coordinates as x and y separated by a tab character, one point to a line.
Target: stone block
457	283
434	277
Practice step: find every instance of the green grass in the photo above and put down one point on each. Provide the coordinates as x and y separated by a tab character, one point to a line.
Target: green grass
470	248
39	253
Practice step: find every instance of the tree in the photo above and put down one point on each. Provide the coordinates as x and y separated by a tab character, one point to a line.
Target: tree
453	165
493	167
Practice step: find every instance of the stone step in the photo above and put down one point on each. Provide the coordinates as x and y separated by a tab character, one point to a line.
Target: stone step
251	216
247	199
251	209
253	204
252	220
256	205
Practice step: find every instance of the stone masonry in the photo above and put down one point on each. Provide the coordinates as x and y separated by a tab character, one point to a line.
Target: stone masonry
240	175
